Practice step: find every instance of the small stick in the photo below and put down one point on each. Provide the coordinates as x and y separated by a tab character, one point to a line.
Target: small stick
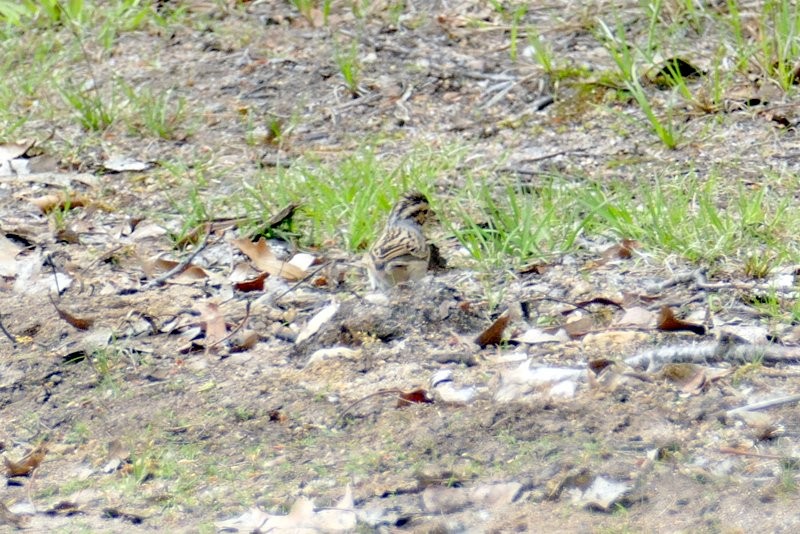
764	404
7	333
302	280
731	450
362	399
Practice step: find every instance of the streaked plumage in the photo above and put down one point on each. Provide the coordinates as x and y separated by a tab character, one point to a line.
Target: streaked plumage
401	252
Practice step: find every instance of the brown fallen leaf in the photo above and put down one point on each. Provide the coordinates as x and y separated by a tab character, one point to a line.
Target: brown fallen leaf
669	323
79	323
636	316
28	464
152	268
213	322
417	396
264	259
494	334
60	201
580	327
255	284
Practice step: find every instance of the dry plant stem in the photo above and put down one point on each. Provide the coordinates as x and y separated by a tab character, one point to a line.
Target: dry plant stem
764	404
7	333
397	392
29	489
178	268
730	450
49	262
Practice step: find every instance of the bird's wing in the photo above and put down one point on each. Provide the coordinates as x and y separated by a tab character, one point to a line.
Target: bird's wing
398	241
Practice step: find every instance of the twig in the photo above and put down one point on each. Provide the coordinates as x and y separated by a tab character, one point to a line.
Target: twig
731	450
178	268
362	399
48	260
675	280
778	401
356	102
7	333
302	280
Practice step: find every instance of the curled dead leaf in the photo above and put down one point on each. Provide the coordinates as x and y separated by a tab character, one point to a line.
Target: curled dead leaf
669	323
152	268
213	321
579	327
416	396
494	334
263	258
254	284
77	322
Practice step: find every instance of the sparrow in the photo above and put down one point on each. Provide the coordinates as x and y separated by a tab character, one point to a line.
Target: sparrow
401	253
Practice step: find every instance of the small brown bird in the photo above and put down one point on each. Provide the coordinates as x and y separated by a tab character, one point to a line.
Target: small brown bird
401	253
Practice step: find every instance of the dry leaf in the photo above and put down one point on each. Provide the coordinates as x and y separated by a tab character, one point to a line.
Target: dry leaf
14	150
669	323
264	260
213	322
316	322
256	284
533	336
26	466
192	273
580	327
637	316
417	396
79	323
494	334
60	201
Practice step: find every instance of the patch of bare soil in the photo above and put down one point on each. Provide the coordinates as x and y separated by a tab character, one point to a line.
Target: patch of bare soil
182	405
